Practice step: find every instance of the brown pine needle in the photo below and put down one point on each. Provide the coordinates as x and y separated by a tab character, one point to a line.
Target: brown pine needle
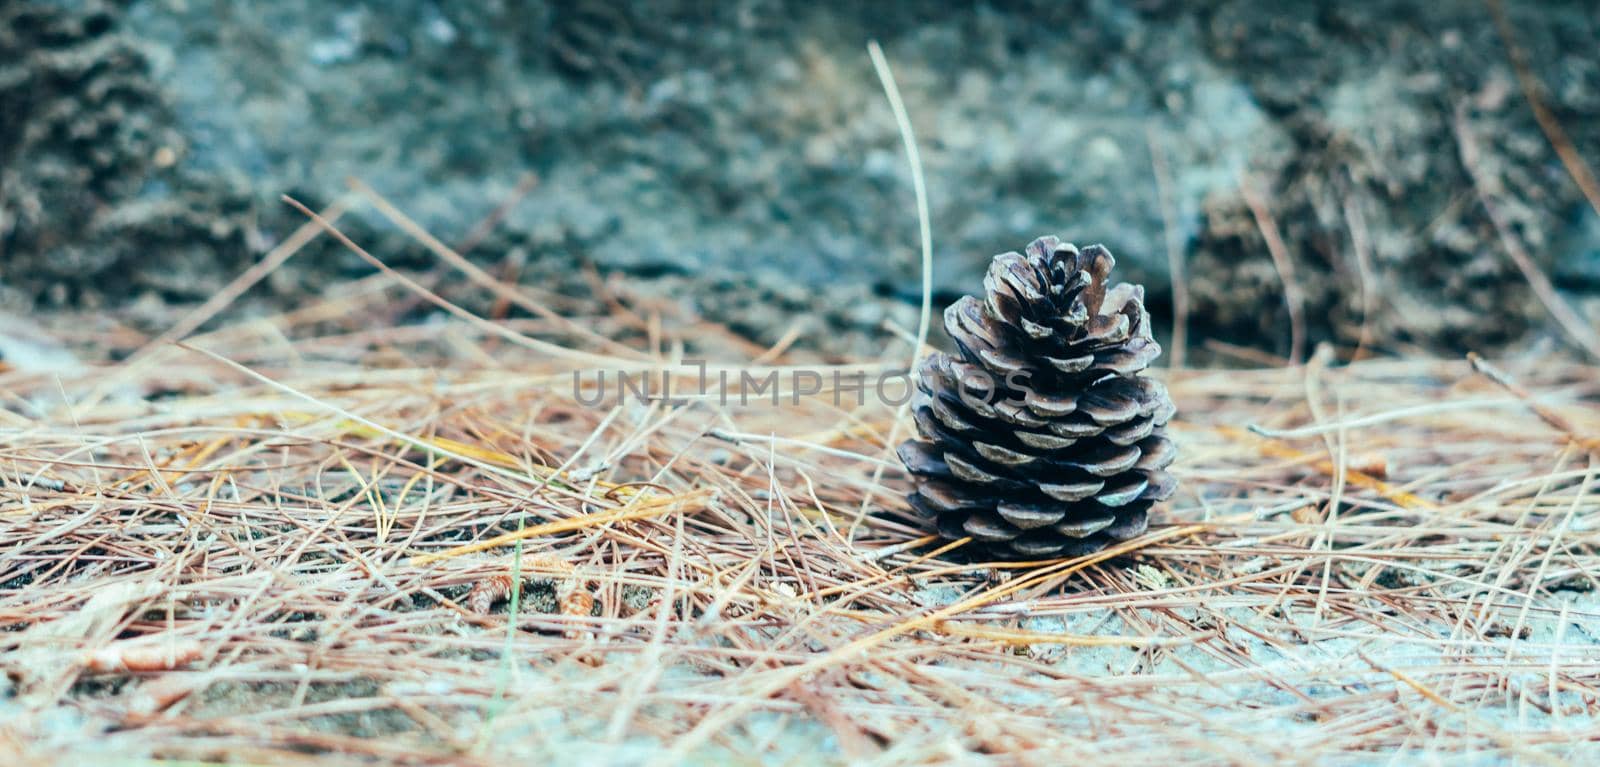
687	503
1274	449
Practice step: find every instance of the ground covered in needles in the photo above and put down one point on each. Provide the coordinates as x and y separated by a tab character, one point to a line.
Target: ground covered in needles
297	539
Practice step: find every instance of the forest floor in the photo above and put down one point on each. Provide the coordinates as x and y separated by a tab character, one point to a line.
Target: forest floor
296	540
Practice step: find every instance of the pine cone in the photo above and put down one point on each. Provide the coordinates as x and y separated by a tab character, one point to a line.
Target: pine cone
1041	439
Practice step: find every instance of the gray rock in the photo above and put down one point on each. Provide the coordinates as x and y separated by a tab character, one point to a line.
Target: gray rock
747	148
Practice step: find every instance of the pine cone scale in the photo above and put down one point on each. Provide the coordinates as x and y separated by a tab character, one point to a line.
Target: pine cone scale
1074	491
1086	525
1028	516
1132	487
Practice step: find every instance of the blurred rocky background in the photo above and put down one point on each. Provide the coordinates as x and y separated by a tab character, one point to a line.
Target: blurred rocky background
739	158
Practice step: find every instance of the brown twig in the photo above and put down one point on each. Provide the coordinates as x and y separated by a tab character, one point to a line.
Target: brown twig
1293	298
1533	92
1175	267
1489	188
